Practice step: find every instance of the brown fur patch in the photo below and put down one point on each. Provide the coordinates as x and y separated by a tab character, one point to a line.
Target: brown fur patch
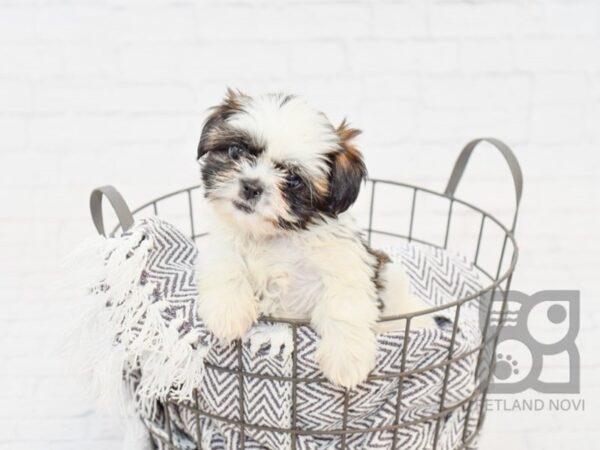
233	98
381	259
321	187
350	154
347	171
346	132
215	124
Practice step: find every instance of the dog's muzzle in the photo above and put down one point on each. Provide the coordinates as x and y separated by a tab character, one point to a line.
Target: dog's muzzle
251	190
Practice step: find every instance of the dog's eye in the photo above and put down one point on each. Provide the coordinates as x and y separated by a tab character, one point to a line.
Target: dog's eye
294	180
235	151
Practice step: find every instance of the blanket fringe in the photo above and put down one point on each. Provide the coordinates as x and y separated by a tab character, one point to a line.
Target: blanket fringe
121	329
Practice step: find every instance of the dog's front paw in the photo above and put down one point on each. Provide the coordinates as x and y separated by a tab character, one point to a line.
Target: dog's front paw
228	321
347	363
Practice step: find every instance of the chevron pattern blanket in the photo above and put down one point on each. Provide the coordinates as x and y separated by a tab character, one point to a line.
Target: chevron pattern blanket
142	321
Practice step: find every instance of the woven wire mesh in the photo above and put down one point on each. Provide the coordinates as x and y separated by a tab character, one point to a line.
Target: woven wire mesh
451	214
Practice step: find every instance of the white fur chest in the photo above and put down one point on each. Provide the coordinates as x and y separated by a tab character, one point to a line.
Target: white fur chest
286	283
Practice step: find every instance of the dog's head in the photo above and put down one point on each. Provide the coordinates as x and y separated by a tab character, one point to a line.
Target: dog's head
272	163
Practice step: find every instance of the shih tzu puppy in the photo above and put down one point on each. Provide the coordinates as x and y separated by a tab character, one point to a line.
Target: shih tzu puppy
280	179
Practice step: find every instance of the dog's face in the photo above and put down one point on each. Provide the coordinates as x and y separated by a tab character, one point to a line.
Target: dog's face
272	163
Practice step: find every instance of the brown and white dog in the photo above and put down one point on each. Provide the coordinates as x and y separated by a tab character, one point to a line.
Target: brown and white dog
280	178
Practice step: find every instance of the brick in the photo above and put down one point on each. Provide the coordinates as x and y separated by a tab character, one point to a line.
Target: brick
102	97
7	430
483	92
152	128
15	347
399	21
386	121
67	407
17	24
52	429
228	62
14	133
561	89
487	56
19	365
26	444
103	444
30	61
382	56
92	59
392	86
33	327
436	57
595	89
592	121
323	58
485	20
275	22
239	60
11	199
558	125
42	60
565	55
156	23
138	62
92	167
64	133
458	125
77	23
16	387
338	97
17	97
73	133
572	19
23	169
106	428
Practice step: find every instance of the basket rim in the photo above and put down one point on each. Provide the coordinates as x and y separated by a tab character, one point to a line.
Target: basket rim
495	284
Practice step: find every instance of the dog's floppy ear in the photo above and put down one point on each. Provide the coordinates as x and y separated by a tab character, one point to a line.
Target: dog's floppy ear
348	171
231	104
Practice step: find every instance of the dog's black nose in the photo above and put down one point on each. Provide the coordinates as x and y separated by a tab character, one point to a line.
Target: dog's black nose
251	189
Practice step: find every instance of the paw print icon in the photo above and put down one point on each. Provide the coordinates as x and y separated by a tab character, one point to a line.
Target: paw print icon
537	345
505	367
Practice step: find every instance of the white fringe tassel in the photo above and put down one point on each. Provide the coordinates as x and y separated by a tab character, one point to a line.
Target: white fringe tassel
121	328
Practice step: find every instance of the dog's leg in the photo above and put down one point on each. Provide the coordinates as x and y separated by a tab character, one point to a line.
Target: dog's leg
345	319
397	299
227	303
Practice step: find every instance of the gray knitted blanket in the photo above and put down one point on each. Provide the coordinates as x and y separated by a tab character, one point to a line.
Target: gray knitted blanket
141	321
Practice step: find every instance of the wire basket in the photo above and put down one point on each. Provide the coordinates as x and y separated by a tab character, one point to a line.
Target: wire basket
445	228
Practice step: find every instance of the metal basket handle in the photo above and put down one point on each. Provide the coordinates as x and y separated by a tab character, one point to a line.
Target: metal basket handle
118	203
511	160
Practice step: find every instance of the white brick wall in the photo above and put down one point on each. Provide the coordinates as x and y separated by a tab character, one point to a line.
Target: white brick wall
111	91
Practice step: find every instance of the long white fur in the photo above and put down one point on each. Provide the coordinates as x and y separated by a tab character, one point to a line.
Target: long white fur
293	131
323	273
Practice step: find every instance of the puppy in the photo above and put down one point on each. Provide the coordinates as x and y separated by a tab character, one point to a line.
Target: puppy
280	178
